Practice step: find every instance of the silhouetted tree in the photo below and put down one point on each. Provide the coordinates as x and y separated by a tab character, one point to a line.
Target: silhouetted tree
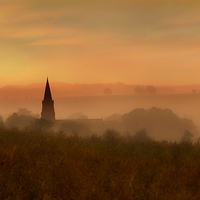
187	137
72	127
2	125
107	91
40	126
114	117
141	136
111	135
151	90
18	121
194	91
139	90
160	123
135	120
25	111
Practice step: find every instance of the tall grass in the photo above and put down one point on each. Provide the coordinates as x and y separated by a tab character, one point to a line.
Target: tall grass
47	167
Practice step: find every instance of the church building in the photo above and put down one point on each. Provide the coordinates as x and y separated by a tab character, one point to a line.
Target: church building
48	113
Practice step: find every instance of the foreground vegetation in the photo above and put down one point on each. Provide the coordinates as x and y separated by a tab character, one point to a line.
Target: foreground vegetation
47	167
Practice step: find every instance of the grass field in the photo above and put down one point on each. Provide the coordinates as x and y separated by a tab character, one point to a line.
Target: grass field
46	166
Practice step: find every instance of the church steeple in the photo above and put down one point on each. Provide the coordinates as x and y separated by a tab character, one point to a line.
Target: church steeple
47	94
48	112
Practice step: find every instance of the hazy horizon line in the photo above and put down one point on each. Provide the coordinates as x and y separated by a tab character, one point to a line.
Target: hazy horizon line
99	83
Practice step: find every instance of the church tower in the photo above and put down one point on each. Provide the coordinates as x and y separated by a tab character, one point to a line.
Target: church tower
48	112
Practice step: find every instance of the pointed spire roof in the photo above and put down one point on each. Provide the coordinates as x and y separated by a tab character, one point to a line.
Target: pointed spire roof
47	94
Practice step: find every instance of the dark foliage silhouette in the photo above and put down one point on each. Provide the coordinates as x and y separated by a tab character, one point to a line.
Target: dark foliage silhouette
151	89
139	90
74	128
107	91
2	125
40	126
18	121
114	117
141	136
187	137
111	135
48	167
159	123
25	111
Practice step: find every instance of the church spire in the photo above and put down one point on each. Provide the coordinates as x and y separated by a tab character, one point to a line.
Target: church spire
47	94
48	112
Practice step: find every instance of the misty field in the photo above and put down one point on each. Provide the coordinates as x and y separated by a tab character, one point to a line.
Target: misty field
47	167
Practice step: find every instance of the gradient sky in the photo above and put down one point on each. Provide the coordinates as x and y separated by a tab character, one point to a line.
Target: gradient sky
90	41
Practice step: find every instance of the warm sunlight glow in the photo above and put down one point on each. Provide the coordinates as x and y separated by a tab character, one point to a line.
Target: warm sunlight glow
135	42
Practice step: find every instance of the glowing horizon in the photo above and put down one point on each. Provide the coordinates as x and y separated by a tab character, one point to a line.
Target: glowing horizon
134	42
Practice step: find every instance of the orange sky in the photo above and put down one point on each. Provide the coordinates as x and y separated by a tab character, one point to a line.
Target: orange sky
90	41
